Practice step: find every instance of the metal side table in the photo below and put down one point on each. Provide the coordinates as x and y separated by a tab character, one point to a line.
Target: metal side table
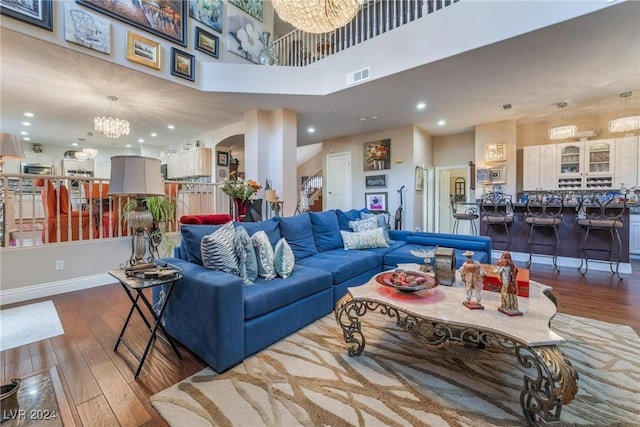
134	285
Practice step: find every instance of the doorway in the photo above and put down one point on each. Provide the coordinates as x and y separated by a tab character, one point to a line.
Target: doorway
338	178
446	179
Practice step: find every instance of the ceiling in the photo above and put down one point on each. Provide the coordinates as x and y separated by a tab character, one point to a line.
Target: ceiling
586	62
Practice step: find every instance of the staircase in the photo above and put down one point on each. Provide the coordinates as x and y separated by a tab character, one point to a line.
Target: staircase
310	194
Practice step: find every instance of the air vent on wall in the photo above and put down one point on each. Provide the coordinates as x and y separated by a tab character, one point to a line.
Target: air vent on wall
358	76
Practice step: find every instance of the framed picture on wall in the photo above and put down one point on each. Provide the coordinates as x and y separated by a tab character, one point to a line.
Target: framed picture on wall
376	201
33	12
183	64
419	178
207	42
377	155
498	175
495	152
375	181
143	51
223	158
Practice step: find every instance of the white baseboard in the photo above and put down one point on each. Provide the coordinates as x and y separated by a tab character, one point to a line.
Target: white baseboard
624	268
42	290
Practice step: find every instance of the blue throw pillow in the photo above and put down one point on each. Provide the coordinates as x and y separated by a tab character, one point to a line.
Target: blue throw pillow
219	250
248	270
192	237
284	260
326	230
297	230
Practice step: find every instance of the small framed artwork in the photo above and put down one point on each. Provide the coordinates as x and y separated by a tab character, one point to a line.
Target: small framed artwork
495	152
375	181
207	42
419	178
376	201
143	51
86	29
223	158
37	12
209	12
377	155
498	175
183	64
483	175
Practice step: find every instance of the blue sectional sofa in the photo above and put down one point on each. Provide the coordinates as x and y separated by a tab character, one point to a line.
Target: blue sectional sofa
222	320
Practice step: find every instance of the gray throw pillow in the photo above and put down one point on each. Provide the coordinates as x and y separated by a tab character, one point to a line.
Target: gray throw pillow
382	220
264	255
219	250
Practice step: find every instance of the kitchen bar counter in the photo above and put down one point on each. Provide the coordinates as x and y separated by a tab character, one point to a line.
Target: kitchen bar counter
570	236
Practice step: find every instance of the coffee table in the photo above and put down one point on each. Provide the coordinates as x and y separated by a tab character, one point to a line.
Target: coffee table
435	316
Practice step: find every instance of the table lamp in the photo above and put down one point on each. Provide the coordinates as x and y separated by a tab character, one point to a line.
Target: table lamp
137	177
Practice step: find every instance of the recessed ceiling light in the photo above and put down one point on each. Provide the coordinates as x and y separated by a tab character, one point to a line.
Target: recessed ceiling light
172	127
421	106
363	119
311	130
28	114
153	134
75	144
140	140
128	145
441	123
374	117
26	124
26	138
24	133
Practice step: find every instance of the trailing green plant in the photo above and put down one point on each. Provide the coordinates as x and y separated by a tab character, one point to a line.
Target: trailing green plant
162	209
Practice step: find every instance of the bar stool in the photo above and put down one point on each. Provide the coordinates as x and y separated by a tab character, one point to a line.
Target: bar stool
544	210
469	214
600	211
496	208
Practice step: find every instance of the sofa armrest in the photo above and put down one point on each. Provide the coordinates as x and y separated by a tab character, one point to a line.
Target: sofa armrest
206	314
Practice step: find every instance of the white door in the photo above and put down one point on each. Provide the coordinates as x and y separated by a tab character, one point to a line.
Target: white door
338	178
444	203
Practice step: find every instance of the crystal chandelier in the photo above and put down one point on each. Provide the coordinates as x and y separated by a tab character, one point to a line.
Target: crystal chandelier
109	126
317	16
625	124
86	154
563	131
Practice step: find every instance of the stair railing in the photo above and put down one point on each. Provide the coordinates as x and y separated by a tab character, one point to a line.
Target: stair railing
309	191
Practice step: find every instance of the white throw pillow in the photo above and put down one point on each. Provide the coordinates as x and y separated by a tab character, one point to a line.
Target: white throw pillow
284	259
364	239
264	254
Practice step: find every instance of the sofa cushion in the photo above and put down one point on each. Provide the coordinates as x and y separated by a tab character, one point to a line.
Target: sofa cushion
447	243
191	239
298	232
219	250
264	255
248	263
403	255
284	260
351	215
364	239
269	226
326	230
343	265
266	297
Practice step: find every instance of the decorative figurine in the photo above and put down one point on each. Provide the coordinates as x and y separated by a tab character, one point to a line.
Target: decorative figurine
509	291
473	279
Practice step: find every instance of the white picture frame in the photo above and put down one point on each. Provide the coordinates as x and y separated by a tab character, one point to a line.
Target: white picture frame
495	152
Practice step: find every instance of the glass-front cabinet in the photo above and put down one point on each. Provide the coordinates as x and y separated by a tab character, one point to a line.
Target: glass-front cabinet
599	165
570	171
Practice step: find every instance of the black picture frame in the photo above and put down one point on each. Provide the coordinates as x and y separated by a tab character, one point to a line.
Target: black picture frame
43	17
375	181
183	64
222	158
207	43
178	7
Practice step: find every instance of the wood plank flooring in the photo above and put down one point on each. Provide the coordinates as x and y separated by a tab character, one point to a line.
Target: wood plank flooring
99	382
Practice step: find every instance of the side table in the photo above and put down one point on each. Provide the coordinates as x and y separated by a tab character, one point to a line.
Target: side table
134	286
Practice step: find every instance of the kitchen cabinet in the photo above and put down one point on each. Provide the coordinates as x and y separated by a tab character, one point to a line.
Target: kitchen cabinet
189	163
539	167
586	165
634	234
627	159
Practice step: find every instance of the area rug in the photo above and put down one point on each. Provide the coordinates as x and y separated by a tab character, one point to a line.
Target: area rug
308	379
29	323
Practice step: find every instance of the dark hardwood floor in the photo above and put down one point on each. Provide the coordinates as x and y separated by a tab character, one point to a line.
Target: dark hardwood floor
99	382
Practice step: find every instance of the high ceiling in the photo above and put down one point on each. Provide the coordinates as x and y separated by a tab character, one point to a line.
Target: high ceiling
585	62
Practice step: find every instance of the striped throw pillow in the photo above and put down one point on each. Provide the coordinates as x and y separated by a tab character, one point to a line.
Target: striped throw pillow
219	250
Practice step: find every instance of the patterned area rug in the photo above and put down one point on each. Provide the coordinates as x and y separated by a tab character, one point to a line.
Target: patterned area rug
308	379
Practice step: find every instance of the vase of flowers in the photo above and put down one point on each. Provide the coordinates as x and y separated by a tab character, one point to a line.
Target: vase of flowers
240	191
